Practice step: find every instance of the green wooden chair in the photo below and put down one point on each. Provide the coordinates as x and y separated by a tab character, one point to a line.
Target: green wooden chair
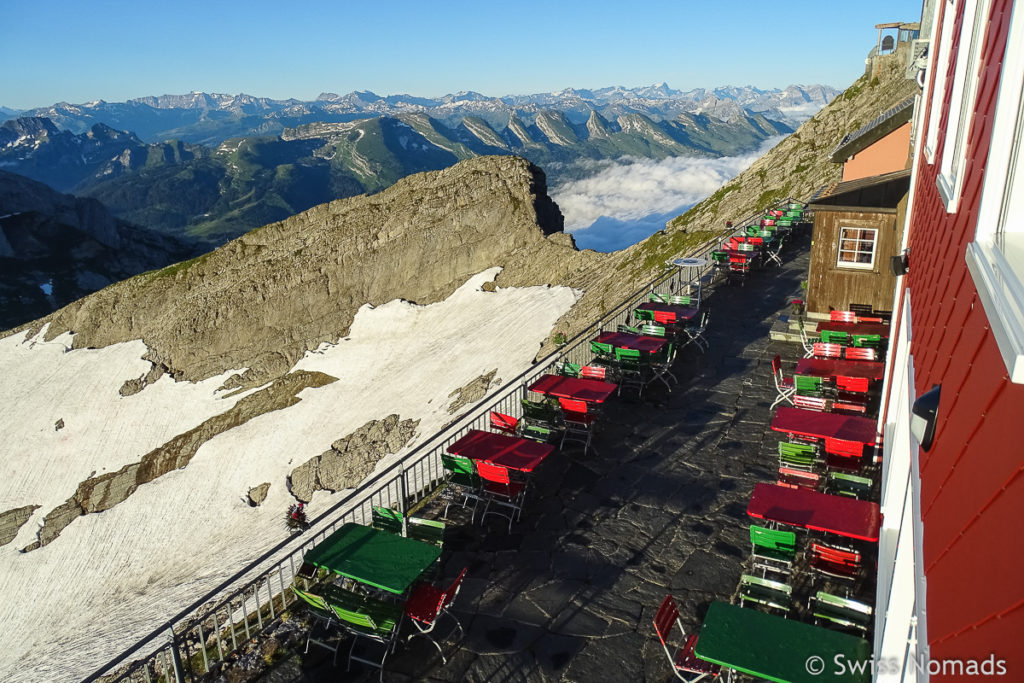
773	594
842	612
567	369
653	330
801	456
539	412
386	519
632	369
463	482
604	354
368	620
772	549
628	328
540	433
656	297
680	300
323	618
426	530
807	385
847	484
873	341
833	337
643	314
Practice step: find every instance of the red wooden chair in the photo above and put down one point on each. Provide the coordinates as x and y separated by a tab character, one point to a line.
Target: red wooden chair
825	350
784	385
844	447
579	422
505	424
798	479
664	317
861	353
818	403
854	385
593	372
835	563
849	407
843	316
685	664
501	491
427	604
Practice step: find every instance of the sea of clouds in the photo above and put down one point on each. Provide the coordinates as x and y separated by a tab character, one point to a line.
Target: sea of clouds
627	201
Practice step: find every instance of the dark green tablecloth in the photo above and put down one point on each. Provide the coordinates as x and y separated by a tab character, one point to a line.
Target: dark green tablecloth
377	558
780	649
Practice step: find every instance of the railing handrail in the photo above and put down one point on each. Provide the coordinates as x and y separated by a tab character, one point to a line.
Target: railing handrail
395	470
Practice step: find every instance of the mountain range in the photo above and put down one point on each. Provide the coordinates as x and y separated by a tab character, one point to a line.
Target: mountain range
212	118
217	193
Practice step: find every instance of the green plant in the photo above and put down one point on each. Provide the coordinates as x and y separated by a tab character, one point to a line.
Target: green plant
560	338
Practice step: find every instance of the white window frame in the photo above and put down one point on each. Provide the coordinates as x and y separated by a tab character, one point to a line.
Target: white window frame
840	263
996	257
941	66
963	95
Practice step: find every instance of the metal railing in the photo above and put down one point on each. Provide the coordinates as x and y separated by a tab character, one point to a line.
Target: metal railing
215	627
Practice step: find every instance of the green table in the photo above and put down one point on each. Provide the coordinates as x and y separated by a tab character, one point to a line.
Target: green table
377	558
780	649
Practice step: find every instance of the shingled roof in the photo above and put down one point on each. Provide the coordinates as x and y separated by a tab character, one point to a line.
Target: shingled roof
874	131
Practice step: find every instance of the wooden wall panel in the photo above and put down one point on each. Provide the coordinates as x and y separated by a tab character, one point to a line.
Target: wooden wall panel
829	286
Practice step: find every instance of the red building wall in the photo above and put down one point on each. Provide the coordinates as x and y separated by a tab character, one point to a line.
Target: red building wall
972	480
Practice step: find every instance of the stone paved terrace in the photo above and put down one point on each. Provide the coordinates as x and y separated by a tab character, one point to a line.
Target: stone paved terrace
570	594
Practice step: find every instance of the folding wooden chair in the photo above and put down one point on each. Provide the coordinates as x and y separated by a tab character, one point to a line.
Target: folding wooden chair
772	549
368	620
841	564
793	478
593	372
843	316
825	350
427	604
685	664
653	330
833	610
323	618
463	481
819	403
695	332
504	424
499	490
784	385
861	353
772	594
579	422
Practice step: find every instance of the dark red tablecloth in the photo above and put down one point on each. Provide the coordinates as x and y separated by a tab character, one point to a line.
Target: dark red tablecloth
507	451
579	388
810	423
628	340
828	367
807	509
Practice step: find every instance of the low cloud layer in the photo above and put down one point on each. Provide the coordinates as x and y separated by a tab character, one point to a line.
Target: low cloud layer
621	201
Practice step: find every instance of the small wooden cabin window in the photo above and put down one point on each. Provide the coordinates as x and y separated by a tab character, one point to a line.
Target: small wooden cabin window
857	247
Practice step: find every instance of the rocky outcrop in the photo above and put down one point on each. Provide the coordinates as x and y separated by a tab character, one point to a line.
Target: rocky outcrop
352	458
11	522
263	300
473	391
102	492
258	494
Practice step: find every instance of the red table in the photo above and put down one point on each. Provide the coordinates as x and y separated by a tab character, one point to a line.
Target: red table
855	328
808	509
636	342
579	388
507	451
812	424
832	368
679	312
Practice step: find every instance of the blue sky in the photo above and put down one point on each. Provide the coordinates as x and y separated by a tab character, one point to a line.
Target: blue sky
114	50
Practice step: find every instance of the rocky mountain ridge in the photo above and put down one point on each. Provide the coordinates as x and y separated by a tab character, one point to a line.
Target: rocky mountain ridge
56	248
212	118
216	194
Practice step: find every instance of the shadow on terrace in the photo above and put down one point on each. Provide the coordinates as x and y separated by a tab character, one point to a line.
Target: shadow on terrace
660	507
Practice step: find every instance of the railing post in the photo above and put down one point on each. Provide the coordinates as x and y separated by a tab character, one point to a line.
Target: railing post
401	501
179	669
